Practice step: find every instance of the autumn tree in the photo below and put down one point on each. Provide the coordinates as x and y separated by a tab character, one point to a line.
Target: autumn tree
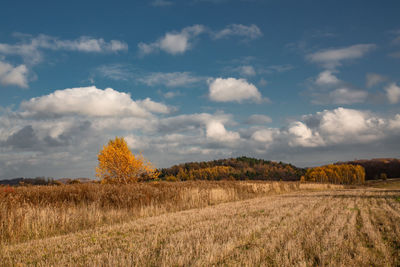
338	174
118	165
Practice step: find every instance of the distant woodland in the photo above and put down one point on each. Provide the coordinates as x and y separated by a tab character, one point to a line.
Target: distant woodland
378	168
241	168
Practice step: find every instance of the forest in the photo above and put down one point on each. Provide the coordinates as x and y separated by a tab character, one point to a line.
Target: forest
378	168
241	168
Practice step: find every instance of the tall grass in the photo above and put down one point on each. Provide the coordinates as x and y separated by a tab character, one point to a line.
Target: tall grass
32	212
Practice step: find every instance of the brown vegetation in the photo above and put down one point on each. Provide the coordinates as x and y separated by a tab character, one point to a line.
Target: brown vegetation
31	212
358	227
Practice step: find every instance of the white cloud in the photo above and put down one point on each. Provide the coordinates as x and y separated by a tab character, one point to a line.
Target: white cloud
10	75
265	136
341	126
393	93
258	119
173	43
172	79
90	101
346	96
373	79
233	90
154	107
251	32
30	145
216	131
331	58
326	78
301	135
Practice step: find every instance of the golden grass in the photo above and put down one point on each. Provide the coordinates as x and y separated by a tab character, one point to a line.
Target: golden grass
35	212
357	227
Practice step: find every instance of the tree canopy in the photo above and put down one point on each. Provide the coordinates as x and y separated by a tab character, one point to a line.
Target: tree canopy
118	165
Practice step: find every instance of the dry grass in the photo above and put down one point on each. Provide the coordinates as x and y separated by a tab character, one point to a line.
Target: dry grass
28	213
356	227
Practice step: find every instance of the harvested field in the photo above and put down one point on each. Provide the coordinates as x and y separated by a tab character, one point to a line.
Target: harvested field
346	227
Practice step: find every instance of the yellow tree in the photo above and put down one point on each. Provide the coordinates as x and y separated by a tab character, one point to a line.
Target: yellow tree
118	165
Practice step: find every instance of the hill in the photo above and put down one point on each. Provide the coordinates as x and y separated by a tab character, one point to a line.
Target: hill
241	168
374	168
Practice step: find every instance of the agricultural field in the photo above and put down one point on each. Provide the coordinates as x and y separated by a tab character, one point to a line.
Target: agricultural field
207	223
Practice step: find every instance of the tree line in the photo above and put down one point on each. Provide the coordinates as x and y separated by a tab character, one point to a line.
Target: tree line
241	168
337	174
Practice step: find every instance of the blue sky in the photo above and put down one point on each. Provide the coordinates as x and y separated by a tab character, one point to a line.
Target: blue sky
306	82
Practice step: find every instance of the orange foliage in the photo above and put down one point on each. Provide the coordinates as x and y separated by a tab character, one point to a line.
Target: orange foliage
337	174
118	165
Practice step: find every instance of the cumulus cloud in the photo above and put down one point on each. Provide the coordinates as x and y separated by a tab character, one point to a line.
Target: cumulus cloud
301	135
341	126
393	93
250	32
233	90
173	43
373	79
217	132
90	101
264	136
10	75
49	145
171	79
331	58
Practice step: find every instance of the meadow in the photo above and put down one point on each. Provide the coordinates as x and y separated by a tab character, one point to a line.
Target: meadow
201	223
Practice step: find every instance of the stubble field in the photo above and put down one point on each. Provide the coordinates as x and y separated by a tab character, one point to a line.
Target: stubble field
334	227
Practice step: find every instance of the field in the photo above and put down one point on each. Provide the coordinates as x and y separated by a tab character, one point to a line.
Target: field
211	223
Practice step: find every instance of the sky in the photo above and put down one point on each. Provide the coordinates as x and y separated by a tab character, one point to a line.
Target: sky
301	81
